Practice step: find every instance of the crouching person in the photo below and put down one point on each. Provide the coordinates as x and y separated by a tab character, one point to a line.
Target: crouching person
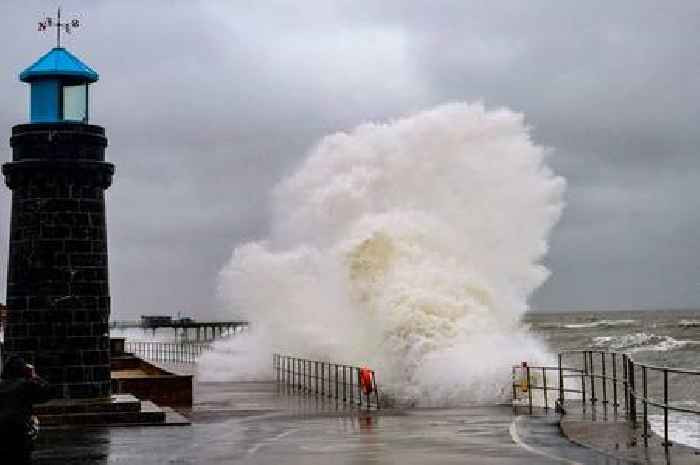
20	389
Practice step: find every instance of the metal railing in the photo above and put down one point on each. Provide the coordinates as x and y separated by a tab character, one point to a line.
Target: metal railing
326	380
605	377
528	383
167	351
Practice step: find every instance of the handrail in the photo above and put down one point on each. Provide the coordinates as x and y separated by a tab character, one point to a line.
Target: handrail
325	379
685	371
187	352
624	375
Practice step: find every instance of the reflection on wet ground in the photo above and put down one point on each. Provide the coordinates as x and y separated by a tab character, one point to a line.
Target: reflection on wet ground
250	423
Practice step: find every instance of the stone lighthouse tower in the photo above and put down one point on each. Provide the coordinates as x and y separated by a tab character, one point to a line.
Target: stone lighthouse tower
57	286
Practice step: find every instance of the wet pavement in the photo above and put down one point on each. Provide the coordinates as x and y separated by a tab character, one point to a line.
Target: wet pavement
253	424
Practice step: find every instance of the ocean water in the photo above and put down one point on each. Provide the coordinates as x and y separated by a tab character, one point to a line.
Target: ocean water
666	338
660	338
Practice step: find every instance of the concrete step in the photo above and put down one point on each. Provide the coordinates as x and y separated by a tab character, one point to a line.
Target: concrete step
147	414
115	404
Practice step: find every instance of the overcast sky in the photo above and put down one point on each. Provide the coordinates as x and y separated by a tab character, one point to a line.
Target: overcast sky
208	104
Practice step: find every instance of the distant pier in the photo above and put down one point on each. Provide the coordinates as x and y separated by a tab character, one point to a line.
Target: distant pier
190	329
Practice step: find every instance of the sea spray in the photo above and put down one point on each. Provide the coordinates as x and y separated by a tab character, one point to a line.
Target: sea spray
410	246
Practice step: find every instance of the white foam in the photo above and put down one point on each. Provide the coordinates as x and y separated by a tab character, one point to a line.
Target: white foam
411	246
599	323
683	428
639	342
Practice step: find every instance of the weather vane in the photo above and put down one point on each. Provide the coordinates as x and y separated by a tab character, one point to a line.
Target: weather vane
65	26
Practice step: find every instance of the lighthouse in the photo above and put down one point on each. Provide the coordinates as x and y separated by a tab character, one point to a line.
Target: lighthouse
58	300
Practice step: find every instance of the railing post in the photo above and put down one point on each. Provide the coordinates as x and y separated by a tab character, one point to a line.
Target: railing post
614	367
625	384
351	388
323	384
592	373
604	379
561	384
633	395
316	376
529	389
376	391
644	402
584	373
544	388
344	385
666	441
336	380
359	388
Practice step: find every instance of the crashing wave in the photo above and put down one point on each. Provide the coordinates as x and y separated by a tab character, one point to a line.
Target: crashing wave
411	246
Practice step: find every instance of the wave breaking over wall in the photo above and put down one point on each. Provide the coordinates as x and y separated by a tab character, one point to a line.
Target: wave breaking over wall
410	246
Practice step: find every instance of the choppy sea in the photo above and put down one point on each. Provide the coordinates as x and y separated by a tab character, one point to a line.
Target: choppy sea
661	338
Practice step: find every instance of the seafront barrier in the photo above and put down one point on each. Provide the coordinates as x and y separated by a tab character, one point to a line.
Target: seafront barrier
609	378
350	385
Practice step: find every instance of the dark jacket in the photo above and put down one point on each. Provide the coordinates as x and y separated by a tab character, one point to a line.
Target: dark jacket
17	395
19	391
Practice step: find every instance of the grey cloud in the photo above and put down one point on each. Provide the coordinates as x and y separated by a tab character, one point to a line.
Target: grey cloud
208	104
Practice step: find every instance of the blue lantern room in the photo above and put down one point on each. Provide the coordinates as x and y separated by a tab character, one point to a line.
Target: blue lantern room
59	88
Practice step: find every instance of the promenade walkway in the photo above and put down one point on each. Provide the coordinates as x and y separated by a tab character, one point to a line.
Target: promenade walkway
250	423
